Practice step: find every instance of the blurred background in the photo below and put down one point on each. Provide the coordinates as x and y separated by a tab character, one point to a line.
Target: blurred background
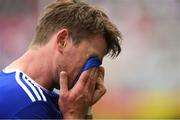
144	81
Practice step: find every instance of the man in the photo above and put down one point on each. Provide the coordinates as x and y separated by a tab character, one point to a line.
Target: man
67	34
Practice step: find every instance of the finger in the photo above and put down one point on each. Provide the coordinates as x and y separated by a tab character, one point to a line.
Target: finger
92	78
101	72
100	89
63	82
98	94
100	77
81	83
92	82
89	74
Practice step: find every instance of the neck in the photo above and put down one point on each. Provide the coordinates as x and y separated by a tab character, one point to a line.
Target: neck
36	63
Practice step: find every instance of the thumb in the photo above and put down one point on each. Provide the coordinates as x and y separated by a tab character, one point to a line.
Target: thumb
63	82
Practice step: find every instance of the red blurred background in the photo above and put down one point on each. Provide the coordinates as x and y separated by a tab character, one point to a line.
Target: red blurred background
144	81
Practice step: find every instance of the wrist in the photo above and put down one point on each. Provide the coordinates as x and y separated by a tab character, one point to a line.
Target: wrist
73	116
88	116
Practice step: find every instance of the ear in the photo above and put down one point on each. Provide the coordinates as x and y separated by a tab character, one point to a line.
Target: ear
62	38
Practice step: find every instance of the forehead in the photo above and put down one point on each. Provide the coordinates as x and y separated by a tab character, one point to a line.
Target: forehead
97	46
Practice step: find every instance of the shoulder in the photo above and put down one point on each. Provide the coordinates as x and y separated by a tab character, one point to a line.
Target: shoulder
22	97
20	85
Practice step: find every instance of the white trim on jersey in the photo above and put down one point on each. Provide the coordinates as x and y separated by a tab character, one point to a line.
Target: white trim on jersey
6	70
31	83
32	87
24	87
41	92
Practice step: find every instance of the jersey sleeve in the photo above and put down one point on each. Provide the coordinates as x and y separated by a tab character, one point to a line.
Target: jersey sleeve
38	110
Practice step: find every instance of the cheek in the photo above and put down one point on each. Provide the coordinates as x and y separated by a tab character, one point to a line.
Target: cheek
75	58
75	65
74	68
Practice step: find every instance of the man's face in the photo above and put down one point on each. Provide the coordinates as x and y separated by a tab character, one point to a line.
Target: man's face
75	56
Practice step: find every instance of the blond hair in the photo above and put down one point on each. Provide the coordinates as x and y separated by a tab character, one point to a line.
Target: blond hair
82	20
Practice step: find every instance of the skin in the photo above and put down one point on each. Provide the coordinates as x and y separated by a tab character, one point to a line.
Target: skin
58	62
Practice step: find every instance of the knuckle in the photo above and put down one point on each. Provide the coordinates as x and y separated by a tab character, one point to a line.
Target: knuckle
63	95
85	77
84	98
103	90
86	95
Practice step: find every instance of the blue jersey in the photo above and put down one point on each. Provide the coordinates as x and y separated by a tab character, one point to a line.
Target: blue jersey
22	97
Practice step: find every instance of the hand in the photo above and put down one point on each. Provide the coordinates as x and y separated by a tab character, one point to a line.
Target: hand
74	103
100	89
